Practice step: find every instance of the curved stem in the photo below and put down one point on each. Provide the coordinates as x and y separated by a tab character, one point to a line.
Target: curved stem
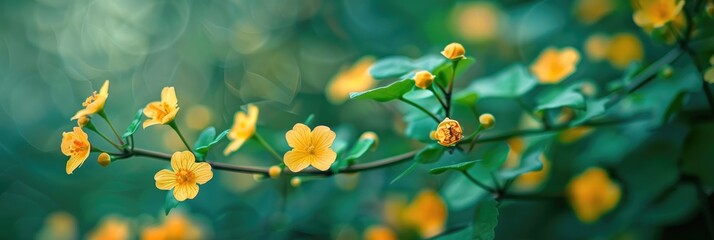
90	126
267	146
450	88
443	104
172	124
476	181
407	101
104	116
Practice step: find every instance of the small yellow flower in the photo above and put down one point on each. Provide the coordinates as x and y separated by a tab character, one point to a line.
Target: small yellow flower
487	120
574	134
164	111
379	233
477	21
76	146
94	103
517	146
448	132
104	159
532	180
242	130
83	121
656	13
454	51
185	177
553	65
295	181
274	172
590	11
111	228
709	75
423	79
353	79
175	227
597	46
309	148
592	194
427	213
624	48
58	226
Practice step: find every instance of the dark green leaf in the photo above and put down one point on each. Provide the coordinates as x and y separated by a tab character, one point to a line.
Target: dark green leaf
495	157
594	108
430	153
529	162
445	71
205	148
458	167
386	93
399	66
674	107
170	202
405	172
359	149
463	233
134	125
561	97
485	219
512	82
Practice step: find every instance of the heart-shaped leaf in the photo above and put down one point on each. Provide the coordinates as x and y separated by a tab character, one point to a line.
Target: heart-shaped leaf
386	93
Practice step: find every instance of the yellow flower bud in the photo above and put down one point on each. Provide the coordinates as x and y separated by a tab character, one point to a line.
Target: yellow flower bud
454	51
589	89
104	159
710	9
423	79
295	182
83	121
274	171
667	72
448	132
487	120
370	135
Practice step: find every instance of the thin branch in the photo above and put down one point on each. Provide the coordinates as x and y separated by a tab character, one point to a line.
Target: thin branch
420	108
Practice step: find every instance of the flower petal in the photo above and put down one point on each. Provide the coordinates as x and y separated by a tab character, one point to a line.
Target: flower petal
202	171
252	114
169	116
104	91
234	146
168	96
185	191
297	160
80	113
182	160
75	162
165	179
299	137
324	159
322	137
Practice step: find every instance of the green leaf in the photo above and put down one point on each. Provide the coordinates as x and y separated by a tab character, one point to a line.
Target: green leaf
495	157
698	153
444	71
386	93
562	97
205	137
594	108
462	233
529	162
170	202
134	125
309	120
485	219
674	107
405	172
358	150
466	98
512	82
458	167
398	66
205	148
430	153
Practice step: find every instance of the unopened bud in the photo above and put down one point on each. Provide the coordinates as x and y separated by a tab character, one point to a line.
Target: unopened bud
487	120
454	51
423	79
295	182
82	121
370	135
274	171
104	159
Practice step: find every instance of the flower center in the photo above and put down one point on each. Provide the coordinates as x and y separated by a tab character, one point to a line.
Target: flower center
90	99
311	149
185	176
78	147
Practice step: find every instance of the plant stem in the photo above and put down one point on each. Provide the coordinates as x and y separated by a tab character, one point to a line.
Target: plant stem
104	116
172	124
443	104
450	89
267	146
91	127
420	108
475	181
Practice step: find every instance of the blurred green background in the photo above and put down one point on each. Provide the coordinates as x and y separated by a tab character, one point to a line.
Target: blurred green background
281	55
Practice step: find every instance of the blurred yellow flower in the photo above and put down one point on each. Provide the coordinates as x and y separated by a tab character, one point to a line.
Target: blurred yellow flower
58	226
590	11
553	65
175	227
185	177
76	146
448	132
532	180
709	74
423	79
592	194
454	51
477	21
164	111
353	79
379	233
242	130
427	213
110	228
309	148
94	103
198	117
597	46
656	13
487	120
574	134
624	48
295	181
347	182
516	145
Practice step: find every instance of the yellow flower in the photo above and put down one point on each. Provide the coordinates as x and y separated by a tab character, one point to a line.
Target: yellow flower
186	174
111	228
104	159
423	79
487	120
656	13
592	194
454	51
353	79
379	233
162	112
175	227
427	213
531	180
295	181
58	226
517	146
243	129
309	148
553	65
590	11
574	134
94	103
477	21
597	46
76	146
624	48
448	132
